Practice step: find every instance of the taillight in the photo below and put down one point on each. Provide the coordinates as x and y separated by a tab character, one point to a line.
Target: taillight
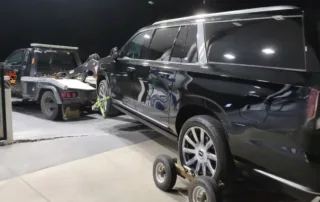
69	94
312	103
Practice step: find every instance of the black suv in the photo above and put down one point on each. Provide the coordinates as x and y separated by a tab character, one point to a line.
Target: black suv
241	85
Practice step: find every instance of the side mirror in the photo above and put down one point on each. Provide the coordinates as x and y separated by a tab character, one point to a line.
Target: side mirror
114	52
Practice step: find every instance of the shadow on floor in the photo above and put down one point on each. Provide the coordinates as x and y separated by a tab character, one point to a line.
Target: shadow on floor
251	189
124	118
33	109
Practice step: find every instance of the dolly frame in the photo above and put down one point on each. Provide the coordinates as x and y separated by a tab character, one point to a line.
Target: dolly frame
201	188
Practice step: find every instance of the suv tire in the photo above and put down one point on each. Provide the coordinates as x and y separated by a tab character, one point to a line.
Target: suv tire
198	150
103	92
49	106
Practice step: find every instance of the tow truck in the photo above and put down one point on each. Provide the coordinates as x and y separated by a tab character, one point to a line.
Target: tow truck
45	73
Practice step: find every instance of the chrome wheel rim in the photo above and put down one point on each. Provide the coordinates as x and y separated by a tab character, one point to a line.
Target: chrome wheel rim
199	194
102	91
103	94
161	173
199	152
50	106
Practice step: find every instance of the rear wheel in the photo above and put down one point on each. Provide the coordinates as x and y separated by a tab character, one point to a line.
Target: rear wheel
49	106
203	147
103	92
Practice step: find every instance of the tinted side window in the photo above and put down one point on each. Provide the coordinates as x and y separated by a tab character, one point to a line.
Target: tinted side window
270	42
134	47
161	44
185	49
15	58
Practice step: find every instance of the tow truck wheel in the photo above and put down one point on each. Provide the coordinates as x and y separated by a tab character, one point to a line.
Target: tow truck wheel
103	92
203	189
49	106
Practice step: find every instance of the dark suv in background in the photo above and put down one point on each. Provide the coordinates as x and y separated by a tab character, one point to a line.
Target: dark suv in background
241	85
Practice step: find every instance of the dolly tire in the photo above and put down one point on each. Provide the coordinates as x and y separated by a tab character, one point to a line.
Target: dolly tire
49	106
203	188
164	173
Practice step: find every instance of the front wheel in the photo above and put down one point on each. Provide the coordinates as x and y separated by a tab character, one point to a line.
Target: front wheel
103	92
49	106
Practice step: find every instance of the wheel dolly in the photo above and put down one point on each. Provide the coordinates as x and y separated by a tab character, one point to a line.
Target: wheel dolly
201	189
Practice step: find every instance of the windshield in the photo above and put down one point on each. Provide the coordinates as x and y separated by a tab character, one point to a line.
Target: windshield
52	61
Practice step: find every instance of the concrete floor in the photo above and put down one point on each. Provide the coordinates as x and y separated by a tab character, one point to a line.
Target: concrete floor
123	174
28	123
92	160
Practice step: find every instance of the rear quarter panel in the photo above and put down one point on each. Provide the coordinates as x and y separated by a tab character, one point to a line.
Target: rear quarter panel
263	112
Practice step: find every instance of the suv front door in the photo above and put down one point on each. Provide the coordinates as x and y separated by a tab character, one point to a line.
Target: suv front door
125	73
168	49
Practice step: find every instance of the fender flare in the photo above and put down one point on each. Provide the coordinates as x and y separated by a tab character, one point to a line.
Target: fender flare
214	107
52	88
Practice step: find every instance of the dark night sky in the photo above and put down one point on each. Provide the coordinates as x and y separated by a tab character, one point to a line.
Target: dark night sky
98	25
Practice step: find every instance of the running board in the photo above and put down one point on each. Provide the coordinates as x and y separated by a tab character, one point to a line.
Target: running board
289	183
147	123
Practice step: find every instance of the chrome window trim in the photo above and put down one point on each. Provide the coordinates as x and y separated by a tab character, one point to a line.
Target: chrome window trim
148	117
287	182
159	62
217	63
258	66
245	11
167	26
202	55
248	19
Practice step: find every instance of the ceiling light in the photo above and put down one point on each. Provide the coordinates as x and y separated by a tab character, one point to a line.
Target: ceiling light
147	36
268	51
230	56
150	2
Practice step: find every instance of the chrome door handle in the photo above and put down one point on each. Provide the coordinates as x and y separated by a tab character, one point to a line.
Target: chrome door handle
131	69
164	74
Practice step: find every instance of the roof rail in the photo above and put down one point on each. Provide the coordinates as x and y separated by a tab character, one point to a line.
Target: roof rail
253	10
39	45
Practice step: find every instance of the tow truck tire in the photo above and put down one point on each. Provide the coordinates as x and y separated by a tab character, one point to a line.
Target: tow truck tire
103	92
49	106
